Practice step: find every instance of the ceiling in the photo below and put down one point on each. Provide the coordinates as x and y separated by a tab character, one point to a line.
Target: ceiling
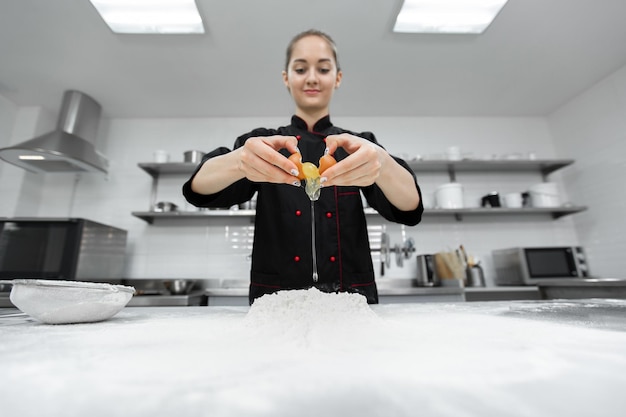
536	56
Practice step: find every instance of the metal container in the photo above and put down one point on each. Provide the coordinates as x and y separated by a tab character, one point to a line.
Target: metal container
165	206
179	286
426	272
475	276
193	156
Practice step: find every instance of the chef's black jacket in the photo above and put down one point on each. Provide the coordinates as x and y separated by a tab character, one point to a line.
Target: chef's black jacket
282	255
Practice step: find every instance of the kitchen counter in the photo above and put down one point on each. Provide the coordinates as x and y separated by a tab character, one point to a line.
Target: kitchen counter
583	288
519	358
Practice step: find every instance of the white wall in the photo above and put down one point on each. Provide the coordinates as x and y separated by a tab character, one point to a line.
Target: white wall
20	190
592	129
8	194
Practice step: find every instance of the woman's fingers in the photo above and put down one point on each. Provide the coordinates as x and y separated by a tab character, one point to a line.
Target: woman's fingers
261	162
360	168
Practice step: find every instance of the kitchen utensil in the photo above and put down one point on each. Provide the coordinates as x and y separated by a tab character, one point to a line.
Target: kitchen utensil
179	286
165	206
464	255
62	302
426	271
475	276
490	200
193	156
545	194
449	195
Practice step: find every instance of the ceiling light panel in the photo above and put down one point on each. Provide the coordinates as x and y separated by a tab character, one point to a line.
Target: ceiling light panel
150	16
447	16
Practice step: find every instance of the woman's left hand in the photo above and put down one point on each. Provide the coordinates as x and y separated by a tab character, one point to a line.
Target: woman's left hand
362	168
367	164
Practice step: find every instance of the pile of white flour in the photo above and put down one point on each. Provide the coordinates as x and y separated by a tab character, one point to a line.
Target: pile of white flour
311	305
302	313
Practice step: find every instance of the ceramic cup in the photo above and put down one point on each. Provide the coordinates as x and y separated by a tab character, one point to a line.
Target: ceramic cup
161	156
513	200
453	153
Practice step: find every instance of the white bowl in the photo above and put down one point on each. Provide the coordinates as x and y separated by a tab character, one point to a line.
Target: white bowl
60	302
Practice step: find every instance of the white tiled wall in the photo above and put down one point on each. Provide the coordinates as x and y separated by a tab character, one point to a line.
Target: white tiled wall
592	129
213	248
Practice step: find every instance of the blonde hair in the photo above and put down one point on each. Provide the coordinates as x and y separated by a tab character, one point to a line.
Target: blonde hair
311	32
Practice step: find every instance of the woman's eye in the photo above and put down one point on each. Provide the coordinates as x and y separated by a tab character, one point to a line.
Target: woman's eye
299	70
324	70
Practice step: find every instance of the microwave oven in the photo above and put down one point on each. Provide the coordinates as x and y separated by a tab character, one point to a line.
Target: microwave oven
532	265
62	249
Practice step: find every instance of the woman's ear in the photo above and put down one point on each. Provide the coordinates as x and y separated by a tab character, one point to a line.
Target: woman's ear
286	79
338	80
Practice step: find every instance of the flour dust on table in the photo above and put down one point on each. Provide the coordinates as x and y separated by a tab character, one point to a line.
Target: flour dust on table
305	353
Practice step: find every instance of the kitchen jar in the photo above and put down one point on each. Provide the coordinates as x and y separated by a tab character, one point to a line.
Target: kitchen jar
545	194
449	196
513	200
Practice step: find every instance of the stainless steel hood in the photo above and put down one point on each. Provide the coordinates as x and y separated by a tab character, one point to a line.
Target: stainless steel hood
69	148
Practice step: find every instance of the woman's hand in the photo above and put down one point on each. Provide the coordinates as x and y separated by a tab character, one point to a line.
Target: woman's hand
260	161
361	168
367	164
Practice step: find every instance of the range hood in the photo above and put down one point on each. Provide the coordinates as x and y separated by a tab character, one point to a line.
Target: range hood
68	148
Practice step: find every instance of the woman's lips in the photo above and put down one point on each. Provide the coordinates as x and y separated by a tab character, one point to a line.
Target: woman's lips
311	92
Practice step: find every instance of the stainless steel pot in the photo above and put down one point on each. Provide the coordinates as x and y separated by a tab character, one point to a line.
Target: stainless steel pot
165	206
193	156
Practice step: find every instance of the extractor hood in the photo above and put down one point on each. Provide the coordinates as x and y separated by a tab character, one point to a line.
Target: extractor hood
68	148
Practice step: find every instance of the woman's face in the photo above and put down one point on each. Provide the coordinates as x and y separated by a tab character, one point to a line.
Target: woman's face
312	74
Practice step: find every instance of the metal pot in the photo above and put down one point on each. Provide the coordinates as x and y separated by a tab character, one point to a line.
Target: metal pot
179	286
165	206
193	156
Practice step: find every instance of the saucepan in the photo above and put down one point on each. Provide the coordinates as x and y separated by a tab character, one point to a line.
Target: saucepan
165	206
64	302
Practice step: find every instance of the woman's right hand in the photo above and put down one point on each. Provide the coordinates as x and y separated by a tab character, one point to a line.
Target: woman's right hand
260	161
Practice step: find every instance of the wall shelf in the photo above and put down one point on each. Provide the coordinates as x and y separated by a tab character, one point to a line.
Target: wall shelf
555	212
543	166
154	169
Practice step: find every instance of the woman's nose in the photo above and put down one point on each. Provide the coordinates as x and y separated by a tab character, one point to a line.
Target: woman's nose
311	78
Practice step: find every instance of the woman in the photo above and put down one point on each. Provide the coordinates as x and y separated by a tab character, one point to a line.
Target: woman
300	243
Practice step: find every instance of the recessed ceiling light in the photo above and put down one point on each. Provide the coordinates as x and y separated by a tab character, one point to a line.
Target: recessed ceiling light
150	16
447	16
